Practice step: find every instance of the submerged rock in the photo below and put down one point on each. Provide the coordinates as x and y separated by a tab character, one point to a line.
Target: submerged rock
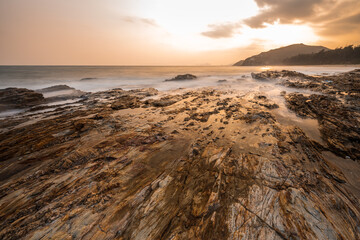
19	98
88	79
55	88
60	93
182	77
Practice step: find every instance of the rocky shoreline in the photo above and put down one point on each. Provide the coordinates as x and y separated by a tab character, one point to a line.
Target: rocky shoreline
195	164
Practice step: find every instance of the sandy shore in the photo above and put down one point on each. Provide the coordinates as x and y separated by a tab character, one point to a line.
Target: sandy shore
187	164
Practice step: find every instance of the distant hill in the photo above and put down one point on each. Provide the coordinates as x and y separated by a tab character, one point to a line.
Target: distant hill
277	56
346	55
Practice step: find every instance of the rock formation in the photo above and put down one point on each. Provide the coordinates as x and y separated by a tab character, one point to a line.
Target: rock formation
182	77
60	93
19	98
199	165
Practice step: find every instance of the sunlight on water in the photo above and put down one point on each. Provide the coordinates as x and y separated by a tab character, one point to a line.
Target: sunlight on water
265	68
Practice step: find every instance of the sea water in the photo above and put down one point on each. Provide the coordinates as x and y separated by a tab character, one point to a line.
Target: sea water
99	78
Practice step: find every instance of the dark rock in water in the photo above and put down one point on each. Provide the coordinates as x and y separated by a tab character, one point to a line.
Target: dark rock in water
87	79
182	77
258	76
19	98
222	80
60	93
55	88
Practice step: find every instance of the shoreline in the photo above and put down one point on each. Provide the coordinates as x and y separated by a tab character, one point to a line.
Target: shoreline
206	163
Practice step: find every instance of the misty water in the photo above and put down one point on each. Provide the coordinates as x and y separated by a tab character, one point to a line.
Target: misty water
99	78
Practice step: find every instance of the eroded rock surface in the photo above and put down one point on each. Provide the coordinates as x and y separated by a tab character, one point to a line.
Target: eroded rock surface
199	165
339	125
336	106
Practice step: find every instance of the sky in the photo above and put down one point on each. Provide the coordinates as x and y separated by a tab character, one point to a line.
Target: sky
167	32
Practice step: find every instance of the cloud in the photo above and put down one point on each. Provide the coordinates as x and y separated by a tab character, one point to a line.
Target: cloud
286	12
345	25
225	30
336	21
146	21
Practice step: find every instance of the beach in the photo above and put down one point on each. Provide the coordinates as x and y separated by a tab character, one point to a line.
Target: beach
270	155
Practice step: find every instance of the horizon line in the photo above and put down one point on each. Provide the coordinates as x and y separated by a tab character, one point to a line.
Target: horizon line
105	65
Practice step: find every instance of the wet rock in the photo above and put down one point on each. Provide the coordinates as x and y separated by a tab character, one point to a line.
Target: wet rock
267	75
264	101
60	93
89	172
339	124
346	85
19	98
182	77
254	115
55	88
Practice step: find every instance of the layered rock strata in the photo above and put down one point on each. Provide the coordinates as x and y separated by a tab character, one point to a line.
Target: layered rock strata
197	165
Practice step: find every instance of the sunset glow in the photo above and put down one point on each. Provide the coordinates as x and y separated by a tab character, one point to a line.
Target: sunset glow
160	32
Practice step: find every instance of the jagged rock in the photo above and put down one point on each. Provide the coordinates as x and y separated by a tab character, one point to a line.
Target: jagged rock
19	98
91	172
339	125
267	75
182	77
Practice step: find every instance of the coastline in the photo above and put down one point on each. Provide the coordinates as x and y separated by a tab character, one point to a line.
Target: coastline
186	164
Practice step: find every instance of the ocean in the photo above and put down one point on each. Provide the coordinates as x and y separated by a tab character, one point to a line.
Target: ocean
98	78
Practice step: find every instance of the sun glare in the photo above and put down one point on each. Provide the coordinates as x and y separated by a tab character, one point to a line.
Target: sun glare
182	23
